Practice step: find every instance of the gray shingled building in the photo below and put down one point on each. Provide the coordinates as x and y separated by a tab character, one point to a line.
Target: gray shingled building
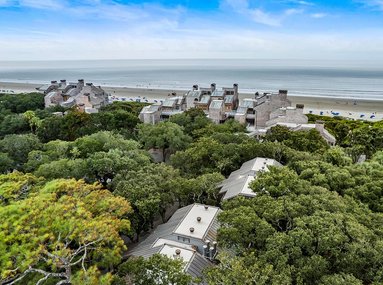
190	234
237	184
86	97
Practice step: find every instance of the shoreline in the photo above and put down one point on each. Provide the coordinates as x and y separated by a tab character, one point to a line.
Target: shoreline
353	108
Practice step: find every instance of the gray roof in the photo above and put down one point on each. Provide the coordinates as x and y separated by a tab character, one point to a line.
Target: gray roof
216	104
229	99
169	103
248	103
218	93
195	263
238	181
193	93
205	99
158	241
164	230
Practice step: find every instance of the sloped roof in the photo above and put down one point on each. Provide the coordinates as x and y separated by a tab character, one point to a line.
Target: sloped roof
238	181
216	104
229	99
218	93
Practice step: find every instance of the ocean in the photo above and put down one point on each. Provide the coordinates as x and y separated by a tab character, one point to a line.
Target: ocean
337	79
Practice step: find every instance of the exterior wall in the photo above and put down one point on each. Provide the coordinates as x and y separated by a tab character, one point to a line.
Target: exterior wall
150	118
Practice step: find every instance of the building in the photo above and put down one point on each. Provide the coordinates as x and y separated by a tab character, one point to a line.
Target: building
237	184
220	105
319	126
86	97
190	234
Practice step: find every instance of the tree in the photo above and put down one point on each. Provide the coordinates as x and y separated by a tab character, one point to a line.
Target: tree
166	136
64	228
150	190
18	146
157	269
301	234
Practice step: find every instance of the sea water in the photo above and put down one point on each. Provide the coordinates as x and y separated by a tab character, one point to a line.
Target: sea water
345	79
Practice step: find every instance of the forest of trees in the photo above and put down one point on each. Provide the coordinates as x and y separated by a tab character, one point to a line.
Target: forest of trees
76	190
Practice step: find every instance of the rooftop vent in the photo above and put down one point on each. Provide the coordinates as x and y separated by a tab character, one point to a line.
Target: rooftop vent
191	230
198	219
206	207
178	251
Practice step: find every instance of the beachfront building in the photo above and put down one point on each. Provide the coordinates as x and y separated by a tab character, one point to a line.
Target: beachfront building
237	184
319	126
87	97
220	105
190	234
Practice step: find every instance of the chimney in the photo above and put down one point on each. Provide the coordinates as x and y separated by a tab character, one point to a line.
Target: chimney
215	246
191	230
213	87
211	253
87	95
198	219
81	82
195	87
207	243
89	84
53	82
62	82
205	250
235	86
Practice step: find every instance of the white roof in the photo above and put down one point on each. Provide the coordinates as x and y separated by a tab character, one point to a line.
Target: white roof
239	180
190	221
170	251
162	241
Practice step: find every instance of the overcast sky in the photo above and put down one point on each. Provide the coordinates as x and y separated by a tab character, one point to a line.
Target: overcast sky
99	29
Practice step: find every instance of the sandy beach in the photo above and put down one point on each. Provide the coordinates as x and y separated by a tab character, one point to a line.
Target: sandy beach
355	109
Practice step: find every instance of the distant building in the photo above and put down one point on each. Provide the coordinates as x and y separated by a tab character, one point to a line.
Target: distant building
86	97
190	234
220	105
237	184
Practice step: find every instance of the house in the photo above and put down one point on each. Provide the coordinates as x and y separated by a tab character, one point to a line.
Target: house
237	184
190	234
217	111
87	97
150	114
319	126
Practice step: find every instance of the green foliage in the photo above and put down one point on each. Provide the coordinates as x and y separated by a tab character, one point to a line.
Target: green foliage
297	233
150	190
166	136
54	229
20	103
130	107
18	147
13	124
157	269
191	120
310	141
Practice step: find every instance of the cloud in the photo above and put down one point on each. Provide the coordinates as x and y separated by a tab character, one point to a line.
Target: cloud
264	18
318	15
35	4
259	15
378	4
300	2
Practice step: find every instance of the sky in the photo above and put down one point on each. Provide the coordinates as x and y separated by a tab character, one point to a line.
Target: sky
250	29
